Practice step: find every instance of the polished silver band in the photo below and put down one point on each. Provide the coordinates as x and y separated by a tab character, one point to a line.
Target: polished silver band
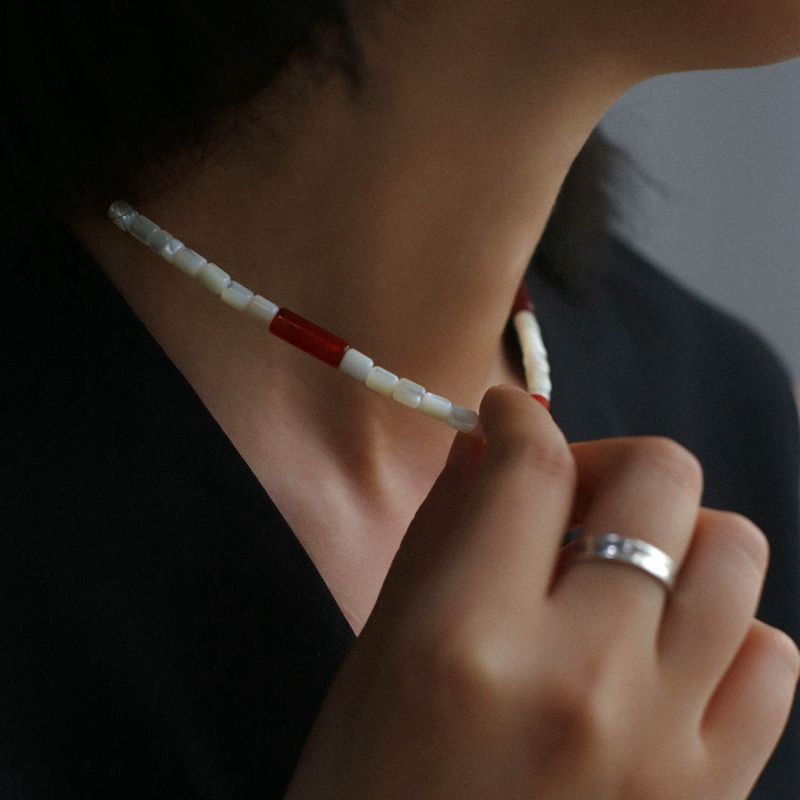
631	552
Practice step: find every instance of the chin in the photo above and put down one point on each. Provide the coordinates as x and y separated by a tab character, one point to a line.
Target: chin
751	33
724	34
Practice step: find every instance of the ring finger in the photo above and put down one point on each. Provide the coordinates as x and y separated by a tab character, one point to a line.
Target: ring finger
650	489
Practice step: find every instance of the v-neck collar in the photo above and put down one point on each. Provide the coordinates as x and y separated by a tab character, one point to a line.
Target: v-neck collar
115	339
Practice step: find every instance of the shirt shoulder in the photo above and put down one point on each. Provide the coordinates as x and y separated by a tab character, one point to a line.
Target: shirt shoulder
717	343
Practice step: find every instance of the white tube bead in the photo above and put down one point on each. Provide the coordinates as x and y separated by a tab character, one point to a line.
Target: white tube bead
143	229
171	249
436	406
462	419
214	278
542	387
262	309
119	208
408	393
356	364
528	329
236	295
158	240
382	381
189	262
121	214
534	353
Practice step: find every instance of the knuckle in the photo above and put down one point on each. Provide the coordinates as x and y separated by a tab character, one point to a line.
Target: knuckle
468	671
583	716
671	462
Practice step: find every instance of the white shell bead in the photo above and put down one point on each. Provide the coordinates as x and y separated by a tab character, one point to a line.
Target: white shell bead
159	240
121	214
170	249
543	387
408	393
214	278
186	260
119	208
534	354
356	364
436	406
462	419
262	309
142	228
236	295
381	381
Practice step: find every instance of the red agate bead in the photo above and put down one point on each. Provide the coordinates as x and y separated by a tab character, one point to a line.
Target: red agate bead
309	337
522	300
542	399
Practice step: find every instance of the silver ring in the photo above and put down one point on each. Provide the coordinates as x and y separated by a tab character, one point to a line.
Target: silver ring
631	552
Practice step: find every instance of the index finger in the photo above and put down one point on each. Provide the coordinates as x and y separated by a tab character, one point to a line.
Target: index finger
517	510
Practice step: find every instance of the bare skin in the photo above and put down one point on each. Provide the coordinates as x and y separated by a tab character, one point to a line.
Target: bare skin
481	676
403	219
382	218
418	197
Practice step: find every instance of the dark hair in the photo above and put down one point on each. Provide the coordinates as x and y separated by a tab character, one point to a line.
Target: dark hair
93	93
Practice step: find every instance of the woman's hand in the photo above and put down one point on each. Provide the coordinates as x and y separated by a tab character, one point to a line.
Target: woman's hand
479	675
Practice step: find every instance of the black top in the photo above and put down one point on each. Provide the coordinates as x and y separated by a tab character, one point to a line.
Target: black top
162	631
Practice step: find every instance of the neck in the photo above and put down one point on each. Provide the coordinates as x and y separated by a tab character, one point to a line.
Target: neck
401	220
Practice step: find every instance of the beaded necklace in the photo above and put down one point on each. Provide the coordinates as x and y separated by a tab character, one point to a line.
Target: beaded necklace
327	347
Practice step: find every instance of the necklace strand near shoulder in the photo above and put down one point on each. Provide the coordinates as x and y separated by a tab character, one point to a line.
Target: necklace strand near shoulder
329	348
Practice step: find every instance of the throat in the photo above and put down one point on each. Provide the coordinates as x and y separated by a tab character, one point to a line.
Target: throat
349	510
351	549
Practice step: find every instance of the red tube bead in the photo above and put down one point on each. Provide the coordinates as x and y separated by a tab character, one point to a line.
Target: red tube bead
522	301
542	400
308	337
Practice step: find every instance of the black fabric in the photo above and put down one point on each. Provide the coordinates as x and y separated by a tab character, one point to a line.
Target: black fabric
163	633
